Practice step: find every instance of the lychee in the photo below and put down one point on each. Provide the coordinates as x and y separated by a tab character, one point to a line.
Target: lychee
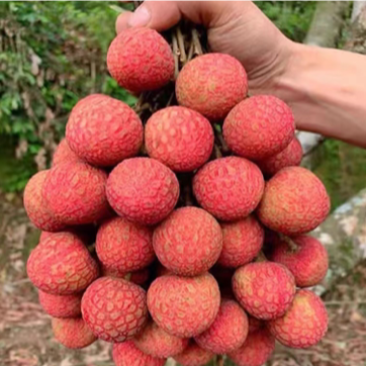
72	333
179	137
86	233
124	246
229	188
256	350
63	154
154	341
36	207
114	309
243	239
194	355
228	332
212	84
138	277
67	306
183	306
259	127
61	265
142	190
188	242
140	59
75	192
295	201
103	131
264	289
304	323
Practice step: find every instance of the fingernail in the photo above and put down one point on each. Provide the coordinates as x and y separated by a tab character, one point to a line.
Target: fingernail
140	17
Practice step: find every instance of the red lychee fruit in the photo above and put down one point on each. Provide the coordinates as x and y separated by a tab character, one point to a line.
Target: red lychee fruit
138	277
155	342
124	246
72	332
103	131
264	289
256	350
140	59
229	188
188	242
63	154
290	156
142	190
86	233
182	306
194	355
127	354
114	309
259	127
67	306
179	137
255	324
36	207
304	323
228	332
212	84
61	265
295	201
75	192
243	240
305	257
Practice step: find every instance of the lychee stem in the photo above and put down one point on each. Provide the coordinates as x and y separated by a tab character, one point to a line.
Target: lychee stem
176	55
261	257
292	245
220	360
182	51
196	42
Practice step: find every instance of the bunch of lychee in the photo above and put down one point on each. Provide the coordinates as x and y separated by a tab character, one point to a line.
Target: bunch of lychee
153	241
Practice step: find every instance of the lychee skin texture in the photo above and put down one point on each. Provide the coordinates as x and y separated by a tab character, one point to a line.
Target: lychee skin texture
290	156
180	138
86	233
63	154
264	289
183	306
36	207
229	188
212	85
124	246
61	265
243	240
142	190
304	324
256	350
75	192
308	262
188	242
155	342
194	355
103	131
127	354
114	309
295	202
67	306
72	333
259	127
140	59
228	332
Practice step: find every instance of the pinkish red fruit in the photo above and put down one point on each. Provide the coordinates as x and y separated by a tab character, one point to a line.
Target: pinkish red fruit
140	59
304	323
103	131
114	309
256	350
138	277
194	355
124	246
61	265
86	233
212	84
295	201
142	190
179	137
259	127
67	306
228	332
182	306
264	289
229	188
72	333
243	240
63	154
188	242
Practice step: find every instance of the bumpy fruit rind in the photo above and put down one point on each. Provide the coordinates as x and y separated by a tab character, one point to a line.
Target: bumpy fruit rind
66	306
63	154
194	355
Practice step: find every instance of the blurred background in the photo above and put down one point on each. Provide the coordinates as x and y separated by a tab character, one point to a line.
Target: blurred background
51	55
